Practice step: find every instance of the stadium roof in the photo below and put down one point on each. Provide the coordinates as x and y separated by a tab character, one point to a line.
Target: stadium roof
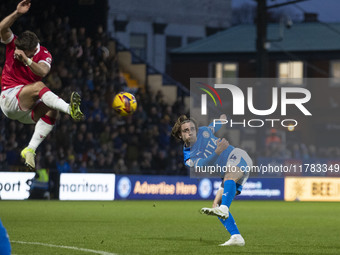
300	37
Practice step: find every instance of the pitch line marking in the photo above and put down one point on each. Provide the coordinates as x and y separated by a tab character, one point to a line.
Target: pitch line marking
66	247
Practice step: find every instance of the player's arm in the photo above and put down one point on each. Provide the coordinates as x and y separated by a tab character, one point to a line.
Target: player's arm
215	126
6	23
41	69
222	144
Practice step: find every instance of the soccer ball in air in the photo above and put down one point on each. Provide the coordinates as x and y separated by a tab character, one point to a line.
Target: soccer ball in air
124	103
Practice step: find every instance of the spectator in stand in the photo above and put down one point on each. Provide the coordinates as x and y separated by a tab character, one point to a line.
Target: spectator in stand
273	139
63	166
85	63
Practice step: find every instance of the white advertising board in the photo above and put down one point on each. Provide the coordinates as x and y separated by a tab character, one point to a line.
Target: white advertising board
87	187
13	185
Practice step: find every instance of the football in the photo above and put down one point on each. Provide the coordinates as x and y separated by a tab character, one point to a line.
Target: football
124	103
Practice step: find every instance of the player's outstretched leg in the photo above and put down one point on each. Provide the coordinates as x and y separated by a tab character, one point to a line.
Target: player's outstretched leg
229	192
75	111
222	211
42	128
236	239
54	102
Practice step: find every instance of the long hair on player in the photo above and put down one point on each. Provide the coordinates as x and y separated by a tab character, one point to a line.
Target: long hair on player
176	129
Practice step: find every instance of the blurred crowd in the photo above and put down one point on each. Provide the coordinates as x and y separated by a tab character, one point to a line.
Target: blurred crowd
276	147
105	142
138	144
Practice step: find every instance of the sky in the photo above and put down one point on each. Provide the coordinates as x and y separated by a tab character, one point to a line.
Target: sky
328	10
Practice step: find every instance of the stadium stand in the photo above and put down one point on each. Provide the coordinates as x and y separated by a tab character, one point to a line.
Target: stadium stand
105	142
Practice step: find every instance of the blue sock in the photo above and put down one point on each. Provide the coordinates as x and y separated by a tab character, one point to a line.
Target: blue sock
230	225
228	192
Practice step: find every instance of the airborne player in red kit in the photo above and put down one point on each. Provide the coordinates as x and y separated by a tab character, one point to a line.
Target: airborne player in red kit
23	96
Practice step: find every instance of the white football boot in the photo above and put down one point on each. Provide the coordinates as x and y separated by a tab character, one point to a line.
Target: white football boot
235	240
219	211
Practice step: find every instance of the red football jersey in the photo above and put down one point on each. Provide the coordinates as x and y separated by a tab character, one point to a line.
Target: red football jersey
17	73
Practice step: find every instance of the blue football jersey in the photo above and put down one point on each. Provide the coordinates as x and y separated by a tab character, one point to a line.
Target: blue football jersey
204	147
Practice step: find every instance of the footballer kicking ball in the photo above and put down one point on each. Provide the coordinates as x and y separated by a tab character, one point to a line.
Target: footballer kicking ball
124	103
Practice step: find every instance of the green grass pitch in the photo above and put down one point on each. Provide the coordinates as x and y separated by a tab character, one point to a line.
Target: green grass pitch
169	227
